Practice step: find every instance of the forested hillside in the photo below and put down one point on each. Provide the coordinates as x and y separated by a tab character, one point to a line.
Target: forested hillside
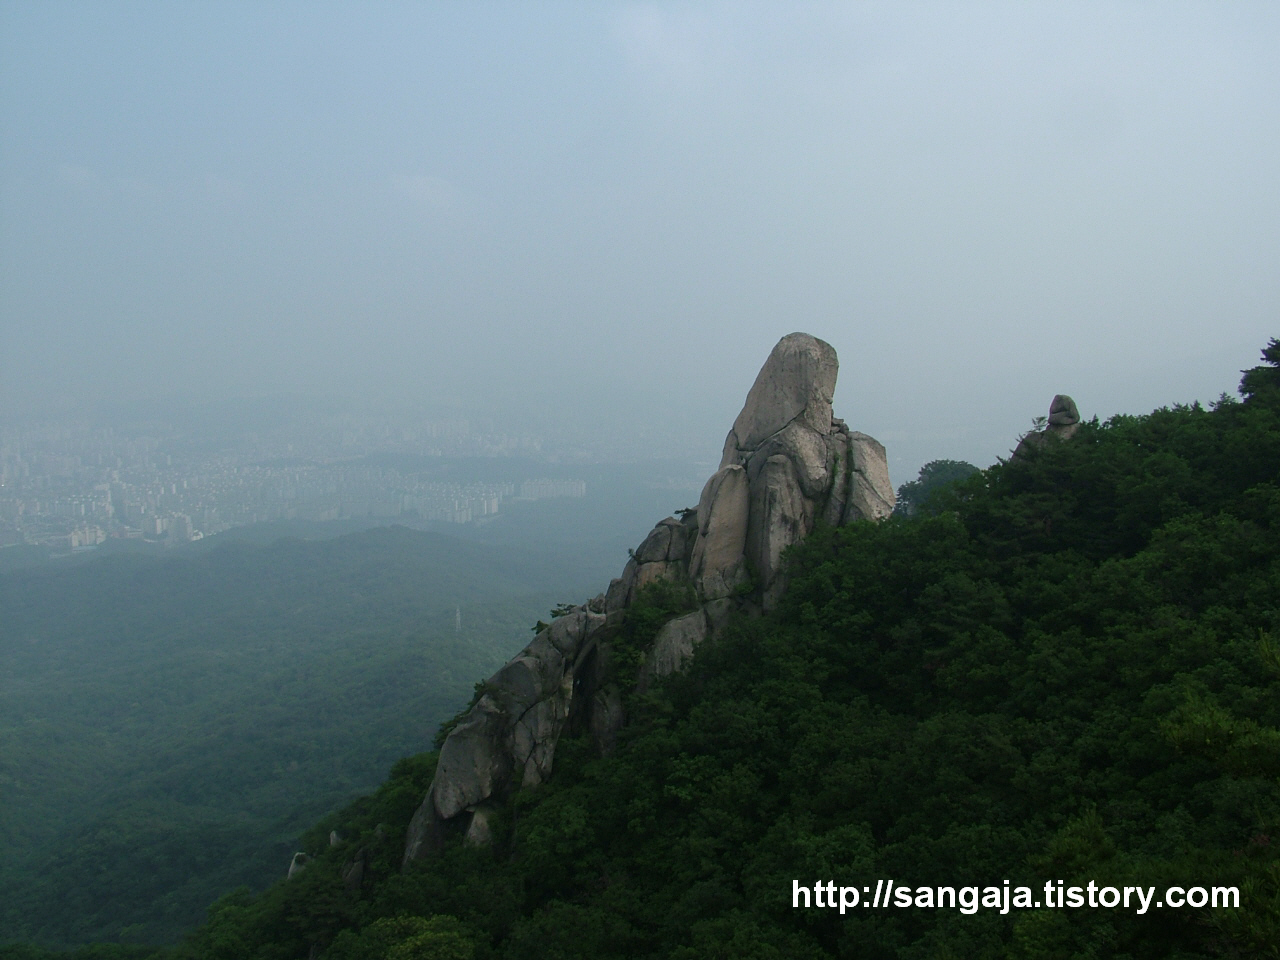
1063	668
169	725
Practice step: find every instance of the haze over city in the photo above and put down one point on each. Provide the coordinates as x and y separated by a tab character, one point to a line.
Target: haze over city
595	220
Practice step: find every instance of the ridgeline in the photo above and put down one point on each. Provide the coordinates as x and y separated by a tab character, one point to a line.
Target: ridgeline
1063	668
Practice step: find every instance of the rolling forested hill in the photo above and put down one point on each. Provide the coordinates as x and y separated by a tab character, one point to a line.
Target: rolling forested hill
169	725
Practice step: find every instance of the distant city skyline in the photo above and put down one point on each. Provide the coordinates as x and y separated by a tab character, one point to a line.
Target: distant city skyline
74	486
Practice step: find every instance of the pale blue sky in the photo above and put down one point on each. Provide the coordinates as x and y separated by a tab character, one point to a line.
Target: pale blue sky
608	213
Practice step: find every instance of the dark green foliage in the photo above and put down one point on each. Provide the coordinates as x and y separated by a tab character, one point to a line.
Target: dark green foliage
1066	671
405	938
169	725
1264	381
96	951
914	495
317	904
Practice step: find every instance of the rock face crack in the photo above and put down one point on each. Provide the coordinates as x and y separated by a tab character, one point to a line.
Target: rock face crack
787	463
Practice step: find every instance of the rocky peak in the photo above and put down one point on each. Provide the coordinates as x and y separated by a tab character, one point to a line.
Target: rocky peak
1064	418
1062	424
796	382
787	465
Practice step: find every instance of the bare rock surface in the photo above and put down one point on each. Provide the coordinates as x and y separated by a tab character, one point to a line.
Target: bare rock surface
716	564
473	760
787	464
801	463
1062	424
871	495
781	516
1062	411
675	644
797	381
1064	417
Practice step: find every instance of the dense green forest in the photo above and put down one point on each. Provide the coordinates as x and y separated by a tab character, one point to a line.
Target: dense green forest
170	725
1063	668
934	476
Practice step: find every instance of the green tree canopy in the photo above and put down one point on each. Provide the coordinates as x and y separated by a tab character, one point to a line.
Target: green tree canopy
934	476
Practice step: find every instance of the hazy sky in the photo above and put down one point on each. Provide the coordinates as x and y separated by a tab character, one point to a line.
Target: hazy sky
610	212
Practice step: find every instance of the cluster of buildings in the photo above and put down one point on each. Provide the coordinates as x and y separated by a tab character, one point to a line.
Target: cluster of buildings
73	487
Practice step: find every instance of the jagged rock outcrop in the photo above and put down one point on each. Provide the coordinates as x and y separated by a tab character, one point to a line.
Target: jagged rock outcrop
787	465
1063	422
354	870
1064	418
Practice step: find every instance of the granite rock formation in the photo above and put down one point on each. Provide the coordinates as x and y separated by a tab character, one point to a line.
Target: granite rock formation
1064	417
1063	422
787	465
